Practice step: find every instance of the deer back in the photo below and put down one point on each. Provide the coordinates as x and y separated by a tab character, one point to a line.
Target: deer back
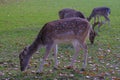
65	30
104	11
68	13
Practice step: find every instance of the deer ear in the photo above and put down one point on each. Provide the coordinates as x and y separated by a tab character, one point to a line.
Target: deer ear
20	56
25	50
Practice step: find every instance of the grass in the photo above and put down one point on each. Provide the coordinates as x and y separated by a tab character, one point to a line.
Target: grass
21	21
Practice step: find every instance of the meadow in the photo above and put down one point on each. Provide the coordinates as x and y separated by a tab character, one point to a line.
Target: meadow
20	22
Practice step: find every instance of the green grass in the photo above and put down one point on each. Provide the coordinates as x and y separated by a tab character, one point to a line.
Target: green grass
21	21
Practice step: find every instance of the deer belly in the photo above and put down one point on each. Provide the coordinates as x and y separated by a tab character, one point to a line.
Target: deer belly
64	37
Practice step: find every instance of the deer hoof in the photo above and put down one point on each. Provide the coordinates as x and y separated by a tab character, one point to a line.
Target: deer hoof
39	72
82	69
55	68
69	67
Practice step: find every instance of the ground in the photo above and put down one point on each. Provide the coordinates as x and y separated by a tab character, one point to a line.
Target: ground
20	22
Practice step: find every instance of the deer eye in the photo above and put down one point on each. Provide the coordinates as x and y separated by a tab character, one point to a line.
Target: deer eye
21	59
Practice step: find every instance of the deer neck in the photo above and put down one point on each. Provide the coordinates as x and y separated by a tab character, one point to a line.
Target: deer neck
34	46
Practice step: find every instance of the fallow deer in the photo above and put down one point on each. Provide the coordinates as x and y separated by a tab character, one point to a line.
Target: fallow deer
71	30
68	13
100	11
93	34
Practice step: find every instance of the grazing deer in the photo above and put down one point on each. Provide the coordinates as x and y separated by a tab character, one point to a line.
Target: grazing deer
68	13
71	30
93	34
100	11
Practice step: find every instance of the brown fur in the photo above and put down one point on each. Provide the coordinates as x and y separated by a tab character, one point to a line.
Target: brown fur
71	30
97	13
68	13
100	11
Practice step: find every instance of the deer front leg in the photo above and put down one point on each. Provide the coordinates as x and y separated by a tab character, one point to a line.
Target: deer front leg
99	25
48	48
94	19
98	18
107	20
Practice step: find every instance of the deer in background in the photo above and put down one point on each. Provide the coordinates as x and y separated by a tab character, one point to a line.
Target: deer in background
68	13
98	12
69	30
93	34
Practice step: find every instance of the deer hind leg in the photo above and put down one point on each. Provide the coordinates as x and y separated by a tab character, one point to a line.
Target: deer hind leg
55	56
84	47
107	20
48	48
77	49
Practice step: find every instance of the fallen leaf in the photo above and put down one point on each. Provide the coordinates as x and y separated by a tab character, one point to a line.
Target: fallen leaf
100	57
88	77
71	75
2	74
33	71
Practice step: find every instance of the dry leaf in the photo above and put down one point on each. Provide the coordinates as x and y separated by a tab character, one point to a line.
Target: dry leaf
46	64
2	74
71	75
88	77
100	57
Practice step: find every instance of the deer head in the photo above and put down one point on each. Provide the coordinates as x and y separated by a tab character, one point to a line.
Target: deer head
24	59
92	36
